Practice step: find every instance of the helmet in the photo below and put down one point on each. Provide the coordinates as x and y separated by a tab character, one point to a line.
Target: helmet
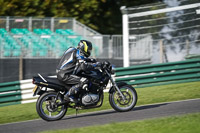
85	47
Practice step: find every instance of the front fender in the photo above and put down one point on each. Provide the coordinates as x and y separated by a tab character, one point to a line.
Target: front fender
119	84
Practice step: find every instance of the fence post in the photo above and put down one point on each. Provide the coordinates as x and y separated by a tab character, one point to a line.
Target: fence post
161	51
187	47
125	37
7	23
110	47
30	23
74	25
52	24
21	68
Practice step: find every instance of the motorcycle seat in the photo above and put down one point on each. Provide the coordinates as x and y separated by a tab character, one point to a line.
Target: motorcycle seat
54	80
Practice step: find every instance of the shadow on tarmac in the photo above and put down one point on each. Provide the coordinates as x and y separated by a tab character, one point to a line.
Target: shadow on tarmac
113	111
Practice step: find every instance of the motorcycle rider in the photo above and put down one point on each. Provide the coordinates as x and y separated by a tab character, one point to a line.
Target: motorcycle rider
73	61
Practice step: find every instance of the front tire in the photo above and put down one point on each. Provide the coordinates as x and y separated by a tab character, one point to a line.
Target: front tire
47	109
121	105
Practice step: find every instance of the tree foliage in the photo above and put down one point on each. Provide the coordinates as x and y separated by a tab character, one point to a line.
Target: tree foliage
102	15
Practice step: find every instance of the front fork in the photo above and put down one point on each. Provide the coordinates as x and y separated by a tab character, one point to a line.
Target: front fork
115	86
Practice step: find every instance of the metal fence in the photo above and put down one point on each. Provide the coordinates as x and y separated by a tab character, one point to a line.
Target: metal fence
166	31
160	74
104	46
51	45
51	23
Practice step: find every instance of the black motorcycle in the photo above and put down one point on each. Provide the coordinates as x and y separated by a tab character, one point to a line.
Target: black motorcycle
51	105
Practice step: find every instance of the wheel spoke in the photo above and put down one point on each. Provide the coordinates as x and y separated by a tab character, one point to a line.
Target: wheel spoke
128	103
47	108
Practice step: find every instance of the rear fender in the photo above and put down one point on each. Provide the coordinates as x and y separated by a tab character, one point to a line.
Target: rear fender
37	80
38	91
40	82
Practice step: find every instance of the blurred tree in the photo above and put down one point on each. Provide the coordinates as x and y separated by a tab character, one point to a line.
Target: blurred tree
102	15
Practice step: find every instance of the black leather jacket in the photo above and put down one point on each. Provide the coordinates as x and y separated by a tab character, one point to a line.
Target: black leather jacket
74	61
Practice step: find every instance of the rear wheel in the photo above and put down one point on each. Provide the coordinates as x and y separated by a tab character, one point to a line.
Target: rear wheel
47	109
117	102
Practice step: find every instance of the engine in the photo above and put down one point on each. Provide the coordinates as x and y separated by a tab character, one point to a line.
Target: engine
90	99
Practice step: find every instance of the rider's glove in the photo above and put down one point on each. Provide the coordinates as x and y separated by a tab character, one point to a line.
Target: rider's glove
90	60
99	65
93	60
86	66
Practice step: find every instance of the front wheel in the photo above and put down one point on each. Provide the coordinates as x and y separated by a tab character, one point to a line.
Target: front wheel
47	109
117	102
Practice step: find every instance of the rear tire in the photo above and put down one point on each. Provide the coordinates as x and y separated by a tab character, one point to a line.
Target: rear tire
46	108
119	104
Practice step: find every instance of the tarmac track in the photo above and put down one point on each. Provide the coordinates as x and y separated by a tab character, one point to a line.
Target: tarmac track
104	117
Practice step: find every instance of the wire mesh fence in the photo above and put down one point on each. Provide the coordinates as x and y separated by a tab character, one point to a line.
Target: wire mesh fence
165	31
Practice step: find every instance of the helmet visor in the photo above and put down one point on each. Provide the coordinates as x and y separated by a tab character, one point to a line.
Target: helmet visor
87	48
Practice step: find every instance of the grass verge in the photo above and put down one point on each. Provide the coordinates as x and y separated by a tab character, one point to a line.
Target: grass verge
146	95
177	124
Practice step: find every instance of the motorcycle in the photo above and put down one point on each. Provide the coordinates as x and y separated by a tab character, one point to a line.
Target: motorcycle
51	105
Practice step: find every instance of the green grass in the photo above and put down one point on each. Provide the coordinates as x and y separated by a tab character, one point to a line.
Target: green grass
168	93
177	124
146	95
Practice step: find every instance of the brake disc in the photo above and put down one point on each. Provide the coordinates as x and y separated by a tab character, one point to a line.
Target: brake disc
51	107
127	98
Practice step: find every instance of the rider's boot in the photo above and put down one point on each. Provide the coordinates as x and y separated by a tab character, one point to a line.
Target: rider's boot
75	89
69	96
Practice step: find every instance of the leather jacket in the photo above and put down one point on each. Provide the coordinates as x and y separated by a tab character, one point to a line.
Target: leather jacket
73	61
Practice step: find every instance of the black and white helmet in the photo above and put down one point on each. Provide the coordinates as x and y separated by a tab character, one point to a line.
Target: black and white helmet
85	47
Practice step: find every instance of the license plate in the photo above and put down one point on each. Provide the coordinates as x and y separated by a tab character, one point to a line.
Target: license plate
35	89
